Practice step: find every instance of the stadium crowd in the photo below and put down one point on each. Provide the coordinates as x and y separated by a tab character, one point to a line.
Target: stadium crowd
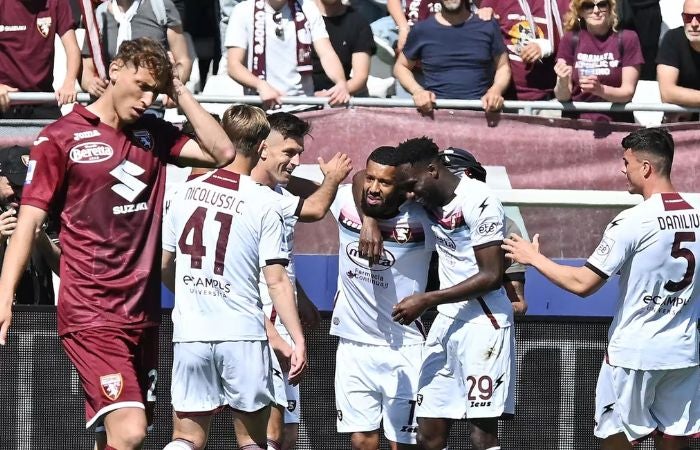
577	50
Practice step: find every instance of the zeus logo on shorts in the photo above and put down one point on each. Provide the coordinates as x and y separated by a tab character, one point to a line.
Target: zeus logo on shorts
291	405
340	415
112	385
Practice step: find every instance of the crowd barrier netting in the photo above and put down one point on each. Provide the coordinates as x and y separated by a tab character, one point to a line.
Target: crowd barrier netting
557	361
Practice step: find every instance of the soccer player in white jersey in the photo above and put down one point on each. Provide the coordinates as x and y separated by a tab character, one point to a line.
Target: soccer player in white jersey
223	227
304	201
378	360
649	382
468	369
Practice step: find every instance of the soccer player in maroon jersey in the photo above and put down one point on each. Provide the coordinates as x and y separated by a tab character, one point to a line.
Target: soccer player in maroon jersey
103	168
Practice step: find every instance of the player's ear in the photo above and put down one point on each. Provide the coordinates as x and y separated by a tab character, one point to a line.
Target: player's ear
646	168
113	71
262	149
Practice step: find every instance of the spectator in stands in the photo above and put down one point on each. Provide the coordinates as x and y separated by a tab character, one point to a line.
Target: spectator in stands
644	18
123	20
272	56
36	284
678	71
595	62
352	40
462	57
531	31
27	55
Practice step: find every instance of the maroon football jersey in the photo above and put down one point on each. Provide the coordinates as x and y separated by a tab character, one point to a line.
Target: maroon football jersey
108	186
27	41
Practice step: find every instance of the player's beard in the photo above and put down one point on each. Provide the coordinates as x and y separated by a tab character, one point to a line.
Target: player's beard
388	208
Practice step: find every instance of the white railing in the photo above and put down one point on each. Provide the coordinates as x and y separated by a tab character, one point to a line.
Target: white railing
528	106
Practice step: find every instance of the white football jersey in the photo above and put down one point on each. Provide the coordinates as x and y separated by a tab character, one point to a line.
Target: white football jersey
291	208
473	219
366	296
653	246
223	228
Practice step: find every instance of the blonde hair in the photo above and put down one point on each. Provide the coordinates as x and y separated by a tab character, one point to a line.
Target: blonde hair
246	126
574	21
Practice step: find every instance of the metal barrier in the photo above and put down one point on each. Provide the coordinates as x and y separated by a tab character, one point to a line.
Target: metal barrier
557	360
528	106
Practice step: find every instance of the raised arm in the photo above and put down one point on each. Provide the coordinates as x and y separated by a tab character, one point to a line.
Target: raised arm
317	204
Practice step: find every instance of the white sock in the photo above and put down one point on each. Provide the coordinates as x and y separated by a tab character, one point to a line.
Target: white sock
498	447
179	444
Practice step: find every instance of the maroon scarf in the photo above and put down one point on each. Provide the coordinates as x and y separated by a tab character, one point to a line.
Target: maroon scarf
260	39
417	10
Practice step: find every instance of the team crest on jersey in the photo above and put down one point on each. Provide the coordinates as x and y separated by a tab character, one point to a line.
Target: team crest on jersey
291	405
144	138
43	24
603	249
112	385
401	235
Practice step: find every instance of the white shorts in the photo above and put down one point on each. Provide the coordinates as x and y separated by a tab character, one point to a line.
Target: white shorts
208	375
642	402
375	384
285	394
468	371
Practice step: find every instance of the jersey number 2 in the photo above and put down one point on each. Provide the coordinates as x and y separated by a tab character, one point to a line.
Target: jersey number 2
197	250
678	252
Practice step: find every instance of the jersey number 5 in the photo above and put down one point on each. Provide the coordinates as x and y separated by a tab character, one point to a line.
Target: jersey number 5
678	252
197	250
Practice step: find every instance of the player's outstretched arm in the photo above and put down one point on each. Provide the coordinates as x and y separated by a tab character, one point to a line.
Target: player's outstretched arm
488	278
581	281
282	295
334	172
212	148
29	220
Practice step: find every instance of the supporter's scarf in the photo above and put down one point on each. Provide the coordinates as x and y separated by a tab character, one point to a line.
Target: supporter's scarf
260	39
417	10
552	16
124	20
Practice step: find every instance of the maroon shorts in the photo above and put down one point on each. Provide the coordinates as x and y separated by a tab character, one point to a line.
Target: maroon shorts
117	368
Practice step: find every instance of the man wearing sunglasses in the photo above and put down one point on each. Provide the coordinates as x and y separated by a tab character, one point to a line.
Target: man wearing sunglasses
678	69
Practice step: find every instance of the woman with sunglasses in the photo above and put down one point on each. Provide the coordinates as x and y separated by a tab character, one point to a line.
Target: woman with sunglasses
595	62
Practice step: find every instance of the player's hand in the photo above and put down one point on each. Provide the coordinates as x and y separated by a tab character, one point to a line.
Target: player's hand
562	69
5	97
271	97
371	245
520	250
66	93
338	94
492	101
8	222
424	101
299	364
283	352
409	309
5	318
96	86
337	168
531	53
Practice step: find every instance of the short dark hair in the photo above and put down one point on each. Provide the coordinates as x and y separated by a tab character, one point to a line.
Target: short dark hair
387	155
149	54
422	150
288	125
656	141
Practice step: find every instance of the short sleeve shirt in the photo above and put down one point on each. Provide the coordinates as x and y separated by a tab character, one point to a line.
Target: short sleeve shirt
108	186
223	228
675	51
280	51
457	61
653	246
27	32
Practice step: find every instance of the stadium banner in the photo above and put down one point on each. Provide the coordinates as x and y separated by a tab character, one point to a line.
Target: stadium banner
521	152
